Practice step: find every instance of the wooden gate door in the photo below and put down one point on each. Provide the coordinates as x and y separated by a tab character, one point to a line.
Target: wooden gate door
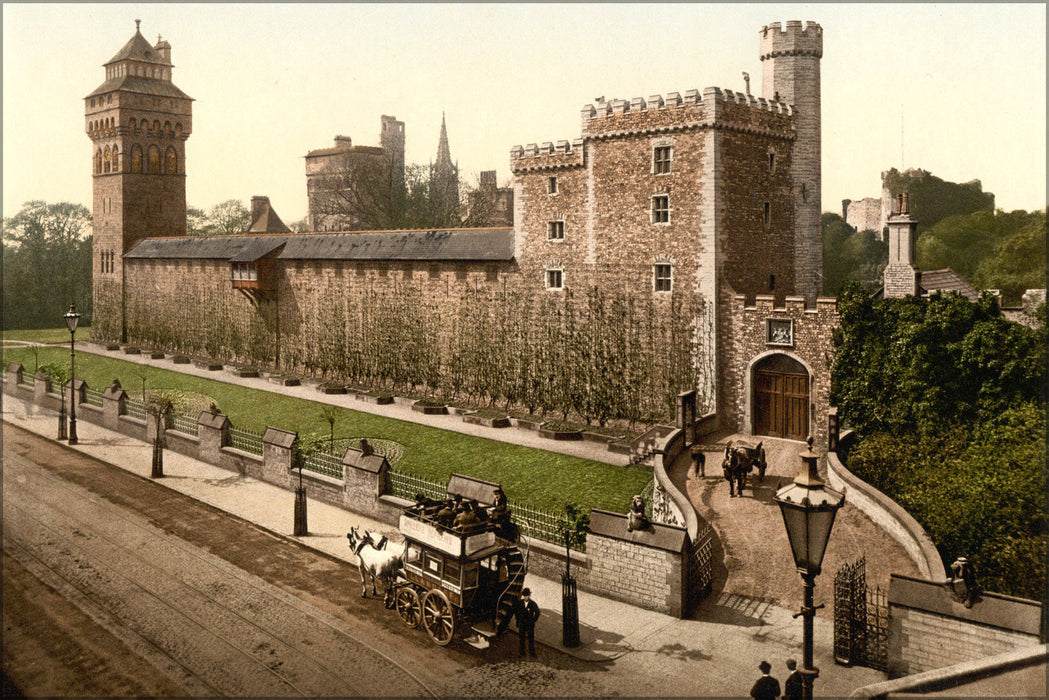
781	404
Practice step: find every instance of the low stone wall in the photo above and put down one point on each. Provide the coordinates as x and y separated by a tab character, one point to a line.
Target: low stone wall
930	628
886	514
643	567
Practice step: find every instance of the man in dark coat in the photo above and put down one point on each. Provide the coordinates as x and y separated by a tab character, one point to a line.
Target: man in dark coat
766	687
526	612
792	686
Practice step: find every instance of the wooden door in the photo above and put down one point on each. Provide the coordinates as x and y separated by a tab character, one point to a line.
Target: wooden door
781	404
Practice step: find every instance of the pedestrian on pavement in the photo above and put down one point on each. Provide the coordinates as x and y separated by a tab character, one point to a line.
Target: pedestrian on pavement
526	612
766	687
792	686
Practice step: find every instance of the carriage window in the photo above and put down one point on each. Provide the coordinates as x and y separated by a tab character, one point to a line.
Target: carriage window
414	554
432	563
451	571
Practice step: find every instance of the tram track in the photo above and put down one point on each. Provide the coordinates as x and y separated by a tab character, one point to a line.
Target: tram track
152	567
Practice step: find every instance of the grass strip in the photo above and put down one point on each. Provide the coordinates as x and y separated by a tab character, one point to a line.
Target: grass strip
543	479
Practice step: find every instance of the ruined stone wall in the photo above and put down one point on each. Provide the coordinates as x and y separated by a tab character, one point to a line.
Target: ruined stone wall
866	215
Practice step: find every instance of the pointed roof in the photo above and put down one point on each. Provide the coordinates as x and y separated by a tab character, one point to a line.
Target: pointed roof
444	154
267	221
138	49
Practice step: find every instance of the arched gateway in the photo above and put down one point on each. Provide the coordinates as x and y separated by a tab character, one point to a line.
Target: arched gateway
781	398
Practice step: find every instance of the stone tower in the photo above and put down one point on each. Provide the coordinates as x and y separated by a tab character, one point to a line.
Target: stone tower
138	122
901	279
791	73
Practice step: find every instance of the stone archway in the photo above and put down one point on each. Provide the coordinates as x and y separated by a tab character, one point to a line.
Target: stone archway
780	397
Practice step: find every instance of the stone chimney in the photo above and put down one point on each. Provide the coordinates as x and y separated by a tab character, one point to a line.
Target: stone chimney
343	142
901	279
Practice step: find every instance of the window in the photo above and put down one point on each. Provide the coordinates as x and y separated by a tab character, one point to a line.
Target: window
551	184
772	162
116	159
555	279
768	214
154	160
661	209
772	283
663	277
661	159
555	230
136	158
171	162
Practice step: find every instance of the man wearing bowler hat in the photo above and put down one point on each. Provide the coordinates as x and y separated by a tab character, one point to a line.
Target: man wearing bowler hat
526	612
792	686
766	687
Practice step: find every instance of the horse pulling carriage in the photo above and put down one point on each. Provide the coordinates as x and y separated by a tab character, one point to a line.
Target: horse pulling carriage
740	460
454	577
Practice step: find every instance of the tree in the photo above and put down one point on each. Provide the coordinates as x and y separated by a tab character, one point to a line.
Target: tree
932	199
197	222
229	218
60	373
1018	260
850	255
47	264
162	403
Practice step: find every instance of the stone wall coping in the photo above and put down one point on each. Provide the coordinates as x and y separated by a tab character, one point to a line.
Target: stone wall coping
322	478
555	551
240	453
113	391
279	438
218	421
952	676
356	459
879	506
992	609
684	506
15	368
396	501
669	538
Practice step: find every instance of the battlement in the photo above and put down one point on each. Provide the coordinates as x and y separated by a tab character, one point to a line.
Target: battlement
547	155
794	40
764	304
611	109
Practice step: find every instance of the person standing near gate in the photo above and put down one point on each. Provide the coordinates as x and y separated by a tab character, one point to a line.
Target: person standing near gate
792	686
525	614
766	687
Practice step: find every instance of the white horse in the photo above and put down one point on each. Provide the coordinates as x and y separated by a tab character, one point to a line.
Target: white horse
371	561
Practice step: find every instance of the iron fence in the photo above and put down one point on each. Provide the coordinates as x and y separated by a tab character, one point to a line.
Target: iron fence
324	463
93	397
541	524
184	424
406	485
246	440
28	379
136	409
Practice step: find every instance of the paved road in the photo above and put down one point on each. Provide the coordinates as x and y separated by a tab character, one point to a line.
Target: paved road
211	627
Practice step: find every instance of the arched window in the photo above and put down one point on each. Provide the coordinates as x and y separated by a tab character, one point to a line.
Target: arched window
154	160
98	161
116	159
156	127
105	160
171	162
132	125
136	158
167	128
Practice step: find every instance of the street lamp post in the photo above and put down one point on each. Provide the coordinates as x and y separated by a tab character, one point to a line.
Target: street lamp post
808	509
72	319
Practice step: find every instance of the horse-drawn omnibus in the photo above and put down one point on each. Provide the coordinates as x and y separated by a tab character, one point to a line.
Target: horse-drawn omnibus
459	577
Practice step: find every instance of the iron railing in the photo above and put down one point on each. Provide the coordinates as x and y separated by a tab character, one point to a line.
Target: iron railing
93	397
246	440
136	409
541	524
324	463
406	485
184	424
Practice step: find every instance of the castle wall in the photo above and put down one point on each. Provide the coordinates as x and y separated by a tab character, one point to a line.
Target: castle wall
866	215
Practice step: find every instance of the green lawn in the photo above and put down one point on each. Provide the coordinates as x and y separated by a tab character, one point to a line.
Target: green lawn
544	479
48	335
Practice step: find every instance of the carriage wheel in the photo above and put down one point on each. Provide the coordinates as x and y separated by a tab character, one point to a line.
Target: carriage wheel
408	607
438	617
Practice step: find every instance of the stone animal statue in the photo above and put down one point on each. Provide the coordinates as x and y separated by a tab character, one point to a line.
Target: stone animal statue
964	582
381	564
636	519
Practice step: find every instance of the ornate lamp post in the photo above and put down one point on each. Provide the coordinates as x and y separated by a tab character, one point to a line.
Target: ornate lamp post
72	319
808	509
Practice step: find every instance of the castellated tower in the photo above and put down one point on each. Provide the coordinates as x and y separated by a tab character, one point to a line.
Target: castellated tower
138	122
791	73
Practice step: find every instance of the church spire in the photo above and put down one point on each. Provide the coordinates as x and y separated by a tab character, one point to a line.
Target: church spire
444	153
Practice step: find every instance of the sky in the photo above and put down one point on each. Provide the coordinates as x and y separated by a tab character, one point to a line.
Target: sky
958	90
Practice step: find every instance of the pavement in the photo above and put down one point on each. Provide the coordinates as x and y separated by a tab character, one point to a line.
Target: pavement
715	653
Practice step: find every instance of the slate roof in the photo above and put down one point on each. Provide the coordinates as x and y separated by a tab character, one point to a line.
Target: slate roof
268	222
335	150
480	245
136	83
946	280
139	49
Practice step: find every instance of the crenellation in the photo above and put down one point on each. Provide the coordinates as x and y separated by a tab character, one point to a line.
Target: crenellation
637	104
693	97
655	101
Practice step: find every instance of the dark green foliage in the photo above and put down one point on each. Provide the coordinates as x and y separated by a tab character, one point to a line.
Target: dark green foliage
850	255
948	398
978	490
933	199
1018	260
47	264
915	364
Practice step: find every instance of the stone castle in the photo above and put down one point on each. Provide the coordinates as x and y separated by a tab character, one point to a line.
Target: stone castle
684	228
